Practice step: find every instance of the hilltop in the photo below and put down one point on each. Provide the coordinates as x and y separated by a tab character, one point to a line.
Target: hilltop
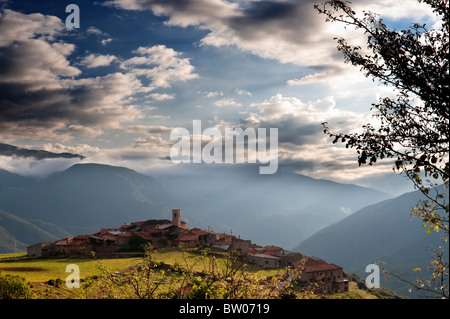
173	233
46	275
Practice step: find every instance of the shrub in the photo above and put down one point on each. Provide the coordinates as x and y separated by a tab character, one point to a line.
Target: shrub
58	282
14	287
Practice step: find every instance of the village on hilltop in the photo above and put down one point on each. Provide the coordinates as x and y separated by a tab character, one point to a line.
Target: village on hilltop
175	232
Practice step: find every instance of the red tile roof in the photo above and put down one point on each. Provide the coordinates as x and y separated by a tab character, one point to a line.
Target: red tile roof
322	267
78	243
199	232
109	237
64	241
81	237
189	236
271	250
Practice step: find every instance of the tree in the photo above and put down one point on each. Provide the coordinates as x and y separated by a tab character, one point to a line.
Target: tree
413	127
137	243
209	275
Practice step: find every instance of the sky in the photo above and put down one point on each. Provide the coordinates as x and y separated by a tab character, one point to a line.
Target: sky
114	88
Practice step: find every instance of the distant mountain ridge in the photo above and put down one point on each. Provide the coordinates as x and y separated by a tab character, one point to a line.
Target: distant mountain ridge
87	196
280	209
384	232
11	150
17	233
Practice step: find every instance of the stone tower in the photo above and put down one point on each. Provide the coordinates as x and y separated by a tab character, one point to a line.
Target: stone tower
176	217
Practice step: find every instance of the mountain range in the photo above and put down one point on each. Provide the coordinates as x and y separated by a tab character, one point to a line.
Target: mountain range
281	209
383	232
87	197
345	224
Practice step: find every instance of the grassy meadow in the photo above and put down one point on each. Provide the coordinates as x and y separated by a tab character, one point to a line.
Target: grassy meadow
40	272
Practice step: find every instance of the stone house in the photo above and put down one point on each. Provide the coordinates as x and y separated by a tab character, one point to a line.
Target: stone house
264	261
61	247
329	277
44	249
188	240
123	238
205	238
287	257
79	245
242	246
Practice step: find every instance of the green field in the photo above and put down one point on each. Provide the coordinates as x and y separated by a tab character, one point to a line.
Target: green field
42	270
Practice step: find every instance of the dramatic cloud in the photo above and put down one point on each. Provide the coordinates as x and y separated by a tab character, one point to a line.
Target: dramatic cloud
298	122
15	26
43	96
302	144
61	89
288	31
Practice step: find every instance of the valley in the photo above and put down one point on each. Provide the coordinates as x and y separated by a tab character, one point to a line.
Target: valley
345	224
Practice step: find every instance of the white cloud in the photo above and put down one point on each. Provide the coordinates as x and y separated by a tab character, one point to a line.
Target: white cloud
97	60
299	122
163	66
162	97
28	166
212	94
227	102
243	92
94	30
80	149
16	26
106	41
395	9
288	31
42	95
302	142
274	30
36	63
